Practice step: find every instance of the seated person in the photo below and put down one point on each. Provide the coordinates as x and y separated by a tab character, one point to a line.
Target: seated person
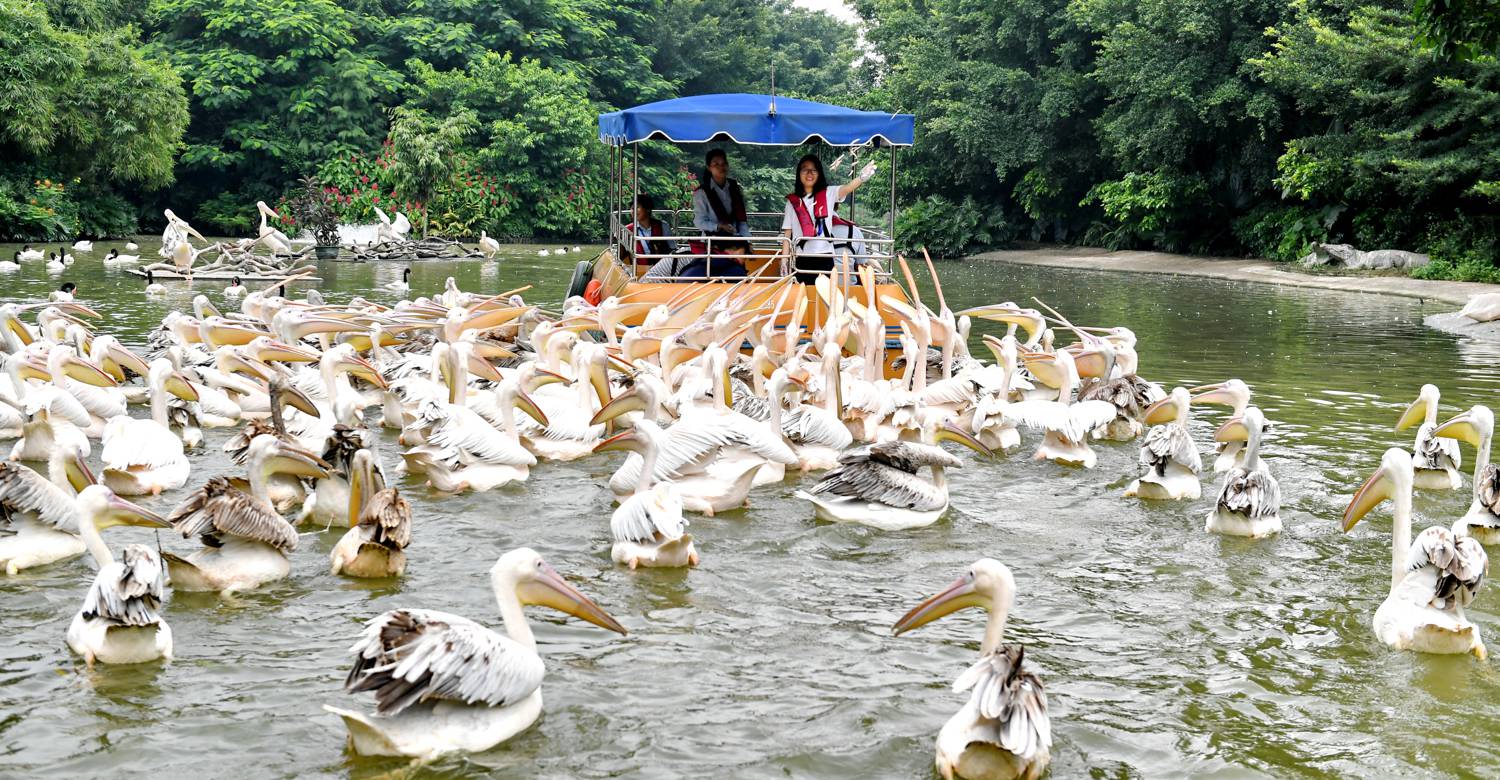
644	229
811	221
719	266
718	203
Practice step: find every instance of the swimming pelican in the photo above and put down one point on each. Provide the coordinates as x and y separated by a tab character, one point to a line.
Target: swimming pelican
152	286
83	246
648	526
1477	427
245	539
445	684
144	456
1249	502
235	289
404	285
1168	453
1236	395
489	247
877	484
577	249
120	621
1432	578
379	525
1437	459
30	254
1003	730
816	433
39	515
1066	423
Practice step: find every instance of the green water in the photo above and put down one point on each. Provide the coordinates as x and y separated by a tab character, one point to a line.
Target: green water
1166	652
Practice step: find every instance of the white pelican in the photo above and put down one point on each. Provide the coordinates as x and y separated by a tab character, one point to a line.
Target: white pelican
489	247
83	246
274	239
1168	453
816	434
235	289
648	526
144	456
28	254
1236	395
1003	731
120	621
245	540
379	525
404	285
1477	427
1066	424
1436	459
1484	307
877	484
445	684
1432	578
154	287
39	515
1249	502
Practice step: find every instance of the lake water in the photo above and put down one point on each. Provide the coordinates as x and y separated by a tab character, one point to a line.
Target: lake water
1166	651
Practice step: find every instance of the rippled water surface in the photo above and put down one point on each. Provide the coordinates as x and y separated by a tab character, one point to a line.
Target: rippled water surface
1166	652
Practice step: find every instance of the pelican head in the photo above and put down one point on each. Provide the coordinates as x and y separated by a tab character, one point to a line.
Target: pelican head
1393	480
99	505
986	584
1246	427
1473	426
265	210
273	456
163	375
1231	392
534	582
640	398
1170	409
1416	413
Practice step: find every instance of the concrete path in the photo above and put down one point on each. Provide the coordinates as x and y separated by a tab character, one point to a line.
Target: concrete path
1264	271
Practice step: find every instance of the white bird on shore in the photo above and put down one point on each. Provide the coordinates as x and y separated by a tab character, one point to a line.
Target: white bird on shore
489	247
446	684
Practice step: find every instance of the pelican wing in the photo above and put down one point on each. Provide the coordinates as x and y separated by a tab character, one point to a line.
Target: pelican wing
459	427
340	448
217	509
386	519
1255	494
958	390
129	442
648	516
1070	421
1487	491
689	446
408	656
905	455
1167	444
746	402
128	592
1459	562
24	490
813	425
1431	452
58	403
1011	700
879	483
238	446
1130	395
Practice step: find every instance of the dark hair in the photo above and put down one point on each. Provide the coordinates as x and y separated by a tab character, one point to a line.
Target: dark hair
822	182
68	287
642	199
712	153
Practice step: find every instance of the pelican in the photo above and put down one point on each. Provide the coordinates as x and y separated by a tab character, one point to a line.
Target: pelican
489	247
245	540
1436	459
83	246
120	621
1477	427
39	515
235	289
28	254
154	287
404	285
1236	395
1432	578
445	684
1168	453
816	433
274	239
1066	424
648	526
379	525
877	484
1249	502
1003	730
144	456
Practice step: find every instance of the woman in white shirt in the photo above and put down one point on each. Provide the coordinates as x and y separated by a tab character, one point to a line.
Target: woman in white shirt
811	221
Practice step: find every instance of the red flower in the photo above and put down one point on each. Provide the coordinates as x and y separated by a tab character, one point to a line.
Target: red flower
364	180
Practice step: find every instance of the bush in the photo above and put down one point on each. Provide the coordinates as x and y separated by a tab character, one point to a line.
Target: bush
1463	249
949	229
1155	209
1283	233
47	210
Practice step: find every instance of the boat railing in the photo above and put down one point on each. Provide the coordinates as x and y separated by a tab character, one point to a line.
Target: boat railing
773	255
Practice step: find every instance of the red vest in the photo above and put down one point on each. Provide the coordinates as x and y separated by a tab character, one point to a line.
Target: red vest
820	213
643	247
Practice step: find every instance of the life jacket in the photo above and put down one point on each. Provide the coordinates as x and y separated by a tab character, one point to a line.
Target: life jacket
645	247
733	215
816	223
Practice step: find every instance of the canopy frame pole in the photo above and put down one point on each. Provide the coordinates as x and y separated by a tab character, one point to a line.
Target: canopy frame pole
635	196
892	217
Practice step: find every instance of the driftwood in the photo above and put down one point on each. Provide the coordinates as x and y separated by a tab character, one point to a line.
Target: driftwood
430	248
238	259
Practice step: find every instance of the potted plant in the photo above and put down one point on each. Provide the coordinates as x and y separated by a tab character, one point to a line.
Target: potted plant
313	210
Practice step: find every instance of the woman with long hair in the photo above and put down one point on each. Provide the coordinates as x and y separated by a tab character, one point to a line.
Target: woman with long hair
817	232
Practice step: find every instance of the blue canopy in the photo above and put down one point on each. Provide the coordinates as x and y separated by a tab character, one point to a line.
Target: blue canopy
758	120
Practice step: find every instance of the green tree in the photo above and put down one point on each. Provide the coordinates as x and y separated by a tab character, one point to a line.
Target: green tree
423	150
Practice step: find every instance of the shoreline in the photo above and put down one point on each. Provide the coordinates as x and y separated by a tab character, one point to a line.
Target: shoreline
1261	271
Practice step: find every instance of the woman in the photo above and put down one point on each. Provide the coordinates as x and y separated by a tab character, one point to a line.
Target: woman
810	220
645	228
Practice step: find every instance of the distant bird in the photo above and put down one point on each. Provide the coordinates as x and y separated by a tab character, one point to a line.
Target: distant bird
543	252
30	254
131	246
576	249
235	289
152	286
402	286
55	265
11	265
489	247
83	246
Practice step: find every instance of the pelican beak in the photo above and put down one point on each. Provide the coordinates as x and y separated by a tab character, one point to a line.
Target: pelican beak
627	441
1043	366
78	472
527	405
357	483
629	401
950	432
1233	429
127	360
728	386
297	461
494	318
1461	427
18	328
482	368
1091	363
285	353
219	332
300	401
549	589
1212	394
1376	489
88	373
959	595
492	351
358	366
321	324
1162	412
643	347
122	512
542	378
179	385
599	379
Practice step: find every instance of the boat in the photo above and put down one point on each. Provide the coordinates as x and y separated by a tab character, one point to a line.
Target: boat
772	263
